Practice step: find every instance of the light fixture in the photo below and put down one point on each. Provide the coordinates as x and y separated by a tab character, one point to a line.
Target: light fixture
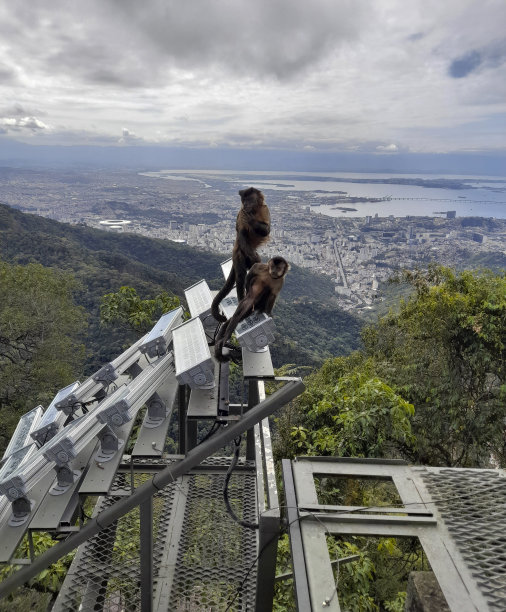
194	366
21	436
158	340
52	417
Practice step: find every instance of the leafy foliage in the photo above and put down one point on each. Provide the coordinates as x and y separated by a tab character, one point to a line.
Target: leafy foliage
347	412
127	308
50	579
40	350
445	352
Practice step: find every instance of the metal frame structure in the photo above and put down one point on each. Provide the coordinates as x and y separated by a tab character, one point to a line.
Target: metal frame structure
459	516
142	495
160	500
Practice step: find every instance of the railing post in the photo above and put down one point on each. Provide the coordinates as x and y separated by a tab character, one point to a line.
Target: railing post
183	407
146	554
253	400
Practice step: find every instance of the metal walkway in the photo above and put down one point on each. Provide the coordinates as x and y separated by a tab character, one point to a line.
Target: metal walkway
161	536
458	515
200	555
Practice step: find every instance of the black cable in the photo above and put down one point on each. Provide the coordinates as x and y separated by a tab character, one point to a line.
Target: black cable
215	426
235	459
348	511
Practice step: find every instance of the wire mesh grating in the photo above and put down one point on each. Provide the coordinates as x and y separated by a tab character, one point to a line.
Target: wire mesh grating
107	572
473	506
215	553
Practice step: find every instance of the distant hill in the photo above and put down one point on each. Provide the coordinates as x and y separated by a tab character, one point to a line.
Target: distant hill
310	325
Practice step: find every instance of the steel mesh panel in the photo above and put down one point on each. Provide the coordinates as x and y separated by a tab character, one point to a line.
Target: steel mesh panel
215	553
107	577
472	504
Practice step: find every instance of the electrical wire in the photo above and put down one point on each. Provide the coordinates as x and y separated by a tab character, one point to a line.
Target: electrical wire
214	428
309	514
231	512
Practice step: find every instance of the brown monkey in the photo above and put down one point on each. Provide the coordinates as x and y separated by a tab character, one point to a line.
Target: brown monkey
253	226
263	284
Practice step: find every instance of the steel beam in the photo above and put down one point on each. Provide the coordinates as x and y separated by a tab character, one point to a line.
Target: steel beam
301	582
281	397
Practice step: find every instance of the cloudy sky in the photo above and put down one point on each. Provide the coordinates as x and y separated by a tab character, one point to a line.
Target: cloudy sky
380	76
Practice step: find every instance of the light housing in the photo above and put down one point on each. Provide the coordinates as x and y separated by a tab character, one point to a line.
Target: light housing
136	393
52	418
199	299
21	436
71	440
156	343
194	365
255	332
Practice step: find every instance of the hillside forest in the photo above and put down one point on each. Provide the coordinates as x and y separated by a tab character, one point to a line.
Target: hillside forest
425	382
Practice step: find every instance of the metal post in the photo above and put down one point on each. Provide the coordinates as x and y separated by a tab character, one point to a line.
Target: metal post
267	550
253	400
183	406
292	388
191	434
146	550
300	579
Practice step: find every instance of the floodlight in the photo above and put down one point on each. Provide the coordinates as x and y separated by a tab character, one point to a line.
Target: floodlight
110	372
229	305
137	393
199	299
194	366
19	481
255	332
15	459
52	418
226	267
21	436
71	440
157	341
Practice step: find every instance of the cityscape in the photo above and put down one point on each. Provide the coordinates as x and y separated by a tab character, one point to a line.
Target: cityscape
358	254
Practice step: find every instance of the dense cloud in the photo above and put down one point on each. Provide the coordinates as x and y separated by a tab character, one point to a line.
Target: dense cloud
126	42
380	75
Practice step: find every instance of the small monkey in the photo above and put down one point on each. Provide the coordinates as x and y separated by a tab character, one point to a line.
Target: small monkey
253	226
263	284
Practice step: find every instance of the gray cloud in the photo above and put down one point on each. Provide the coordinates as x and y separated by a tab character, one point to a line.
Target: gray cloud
347	74
130	44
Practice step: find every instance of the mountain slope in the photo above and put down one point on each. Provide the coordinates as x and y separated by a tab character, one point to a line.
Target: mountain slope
310	325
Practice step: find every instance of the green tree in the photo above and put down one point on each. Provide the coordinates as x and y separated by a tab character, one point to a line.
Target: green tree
40	350
128	309
445	352
347	411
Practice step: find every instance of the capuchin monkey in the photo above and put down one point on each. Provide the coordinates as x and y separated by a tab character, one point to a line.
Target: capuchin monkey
253	226
263	284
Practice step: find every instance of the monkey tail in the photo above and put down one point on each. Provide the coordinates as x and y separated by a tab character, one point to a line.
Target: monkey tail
222	293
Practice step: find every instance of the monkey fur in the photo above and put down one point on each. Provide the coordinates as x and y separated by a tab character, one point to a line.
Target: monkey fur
253	226
263	284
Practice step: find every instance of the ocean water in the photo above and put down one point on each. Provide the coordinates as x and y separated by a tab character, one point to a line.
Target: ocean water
483	196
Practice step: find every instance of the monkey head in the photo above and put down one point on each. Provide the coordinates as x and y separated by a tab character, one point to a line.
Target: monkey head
251	198
278	267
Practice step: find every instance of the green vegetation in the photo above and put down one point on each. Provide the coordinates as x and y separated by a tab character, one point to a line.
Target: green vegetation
310	326
40	350
127	308
429	386
443	353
